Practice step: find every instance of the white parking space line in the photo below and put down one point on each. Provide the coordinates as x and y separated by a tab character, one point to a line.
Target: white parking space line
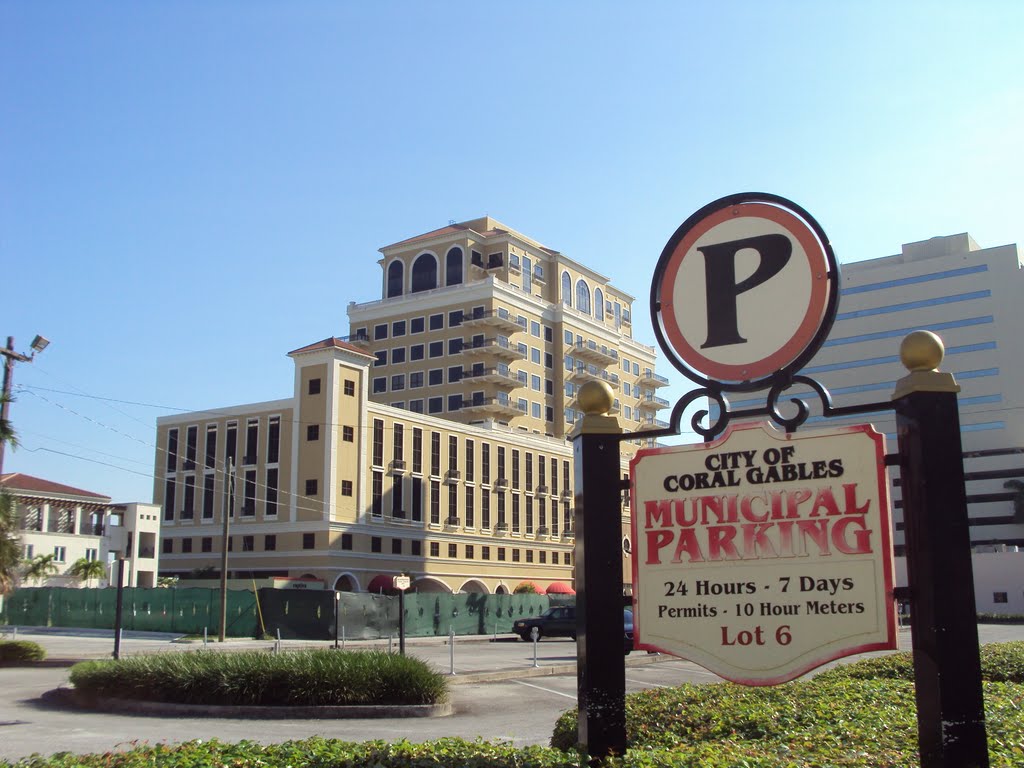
546	690
645	683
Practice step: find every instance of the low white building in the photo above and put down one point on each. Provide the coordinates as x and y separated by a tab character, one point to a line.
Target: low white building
71	524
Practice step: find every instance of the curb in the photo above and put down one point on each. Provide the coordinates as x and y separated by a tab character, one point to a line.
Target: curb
70	697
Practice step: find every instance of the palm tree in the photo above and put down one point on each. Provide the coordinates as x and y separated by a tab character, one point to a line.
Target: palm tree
87	570
10	544
1018	499
40	568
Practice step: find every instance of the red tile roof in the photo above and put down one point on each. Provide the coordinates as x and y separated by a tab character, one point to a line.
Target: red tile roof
331	342
450	229
16	481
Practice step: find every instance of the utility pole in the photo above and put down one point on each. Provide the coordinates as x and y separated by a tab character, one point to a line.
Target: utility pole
39	343
229	499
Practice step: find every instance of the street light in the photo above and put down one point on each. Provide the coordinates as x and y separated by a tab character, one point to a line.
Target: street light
39	343
337	617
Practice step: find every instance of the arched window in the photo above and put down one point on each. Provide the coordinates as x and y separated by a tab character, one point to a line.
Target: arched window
599	304
424	273
396	275
453	267
566	289
582	296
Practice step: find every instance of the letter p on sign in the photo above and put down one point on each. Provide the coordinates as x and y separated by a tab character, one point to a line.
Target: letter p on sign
746	288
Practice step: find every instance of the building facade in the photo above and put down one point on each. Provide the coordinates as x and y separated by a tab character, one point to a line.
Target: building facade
71	524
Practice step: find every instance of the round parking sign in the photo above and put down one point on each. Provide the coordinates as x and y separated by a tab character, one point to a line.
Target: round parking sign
745	291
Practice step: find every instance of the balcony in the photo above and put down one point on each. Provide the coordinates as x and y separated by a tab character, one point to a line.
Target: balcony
360	339
499	319
593	373
452	522
452	477
396	467
543	531
652	424
538	275
499	375
513	264
494	406
499	347
541	489
652	403
501	529
651	379
599	353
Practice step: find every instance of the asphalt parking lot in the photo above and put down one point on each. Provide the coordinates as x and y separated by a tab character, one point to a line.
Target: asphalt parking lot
498	694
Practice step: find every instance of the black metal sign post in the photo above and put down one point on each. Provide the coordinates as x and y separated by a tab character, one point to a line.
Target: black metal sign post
119	610
601	666
943	618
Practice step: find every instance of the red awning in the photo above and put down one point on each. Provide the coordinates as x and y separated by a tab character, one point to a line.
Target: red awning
381	583
560	588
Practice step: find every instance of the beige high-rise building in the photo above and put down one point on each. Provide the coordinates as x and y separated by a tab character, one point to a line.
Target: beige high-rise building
478	323
430	443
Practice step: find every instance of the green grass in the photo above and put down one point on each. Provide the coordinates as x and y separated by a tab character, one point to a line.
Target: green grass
19	651
304	678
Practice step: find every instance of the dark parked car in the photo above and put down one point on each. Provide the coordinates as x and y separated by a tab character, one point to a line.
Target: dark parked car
560	621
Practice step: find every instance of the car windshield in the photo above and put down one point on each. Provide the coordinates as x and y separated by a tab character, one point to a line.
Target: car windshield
549	612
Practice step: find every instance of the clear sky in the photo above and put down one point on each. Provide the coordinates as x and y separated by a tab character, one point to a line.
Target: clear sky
189	190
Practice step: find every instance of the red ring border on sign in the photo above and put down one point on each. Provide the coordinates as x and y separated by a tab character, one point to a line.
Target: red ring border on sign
821	306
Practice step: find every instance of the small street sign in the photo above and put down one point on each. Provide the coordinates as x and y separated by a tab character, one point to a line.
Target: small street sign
402	582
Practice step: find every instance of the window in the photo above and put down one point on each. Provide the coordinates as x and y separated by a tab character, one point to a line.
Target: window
313	432
398	328
485	508
271	507
535	328
566	290
515	555
188	510
501	553
582	296
435	502
470	512
309	541
249	494
248	544
380	384
435	549
454	402
397	505
416	325
380	331
416	406
311	487
346	541
348	434
435	405
455	318
381	357
1000	597
397	355
208	497
396	546
377	457
416	380
535	382
252	434
598	304
375	543
424	273
543	556
206	544
172	450
454	346
453	267
515	465
350	388
469	551
169	494
416	352
527	274
270	542
416	548
485	462
191	440
273	440
166	548
437	322
396	273
346	487
469	461
211	446
377	494
398	382
417	450
436	349
417	499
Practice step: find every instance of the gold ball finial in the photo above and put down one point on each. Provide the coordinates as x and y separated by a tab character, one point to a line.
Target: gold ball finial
922	351
595	398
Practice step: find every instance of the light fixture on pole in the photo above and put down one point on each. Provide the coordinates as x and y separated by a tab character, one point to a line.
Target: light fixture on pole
39	343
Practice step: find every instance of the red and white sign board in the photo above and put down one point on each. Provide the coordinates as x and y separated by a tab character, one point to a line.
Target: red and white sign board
761	556
743	289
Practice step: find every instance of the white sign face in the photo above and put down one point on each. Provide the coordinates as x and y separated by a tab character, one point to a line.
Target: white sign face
743	291
401	582
761	556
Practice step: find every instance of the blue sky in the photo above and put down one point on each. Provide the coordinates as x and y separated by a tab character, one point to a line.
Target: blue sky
189	190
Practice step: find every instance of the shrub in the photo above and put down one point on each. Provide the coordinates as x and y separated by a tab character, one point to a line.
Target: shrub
304	678
18	651
861	714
